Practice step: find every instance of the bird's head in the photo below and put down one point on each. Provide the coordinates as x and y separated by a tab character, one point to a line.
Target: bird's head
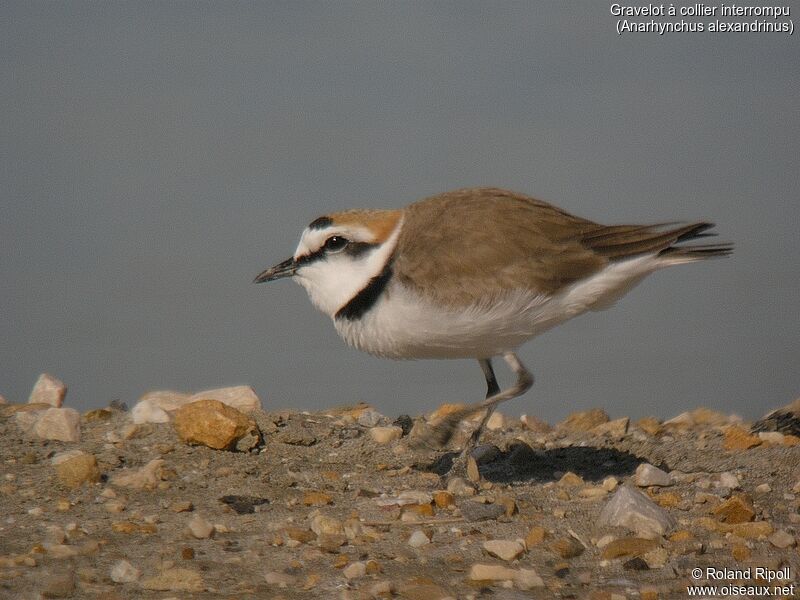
339	254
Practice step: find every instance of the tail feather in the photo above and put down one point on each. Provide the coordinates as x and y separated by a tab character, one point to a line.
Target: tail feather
619	242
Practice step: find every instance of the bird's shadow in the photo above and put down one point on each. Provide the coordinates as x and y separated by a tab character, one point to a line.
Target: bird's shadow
520	463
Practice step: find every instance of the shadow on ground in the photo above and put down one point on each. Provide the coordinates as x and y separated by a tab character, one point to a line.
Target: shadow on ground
521	463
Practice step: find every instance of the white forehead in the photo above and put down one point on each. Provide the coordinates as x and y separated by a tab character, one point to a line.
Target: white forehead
313	239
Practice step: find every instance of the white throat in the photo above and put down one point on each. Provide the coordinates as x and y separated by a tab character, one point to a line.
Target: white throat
335	279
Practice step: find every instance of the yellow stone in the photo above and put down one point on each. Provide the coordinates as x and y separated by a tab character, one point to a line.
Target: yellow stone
214	424
737	438
535	536
631	546
736	509
317	499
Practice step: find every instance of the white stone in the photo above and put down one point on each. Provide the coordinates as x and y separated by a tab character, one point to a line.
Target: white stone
26	419
418	539
773	437
496	422
167	400
200	528
480	572
728	480
323	524
647	475
240	397
147	412
504	549
48	390
763	488
124	572
782	539
355	570
527	579
62	424
385	435
369	418
145	478
633	510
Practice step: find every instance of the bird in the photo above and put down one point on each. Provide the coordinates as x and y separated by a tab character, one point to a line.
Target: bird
475	273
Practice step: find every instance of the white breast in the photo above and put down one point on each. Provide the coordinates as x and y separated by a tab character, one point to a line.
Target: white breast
404	325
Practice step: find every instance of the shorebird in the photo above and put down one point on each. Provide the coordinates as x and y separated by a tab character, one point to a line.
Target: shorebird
474	273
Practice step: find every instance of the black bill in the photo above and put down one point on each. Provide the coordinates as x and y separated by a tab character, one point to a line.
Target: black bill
285	269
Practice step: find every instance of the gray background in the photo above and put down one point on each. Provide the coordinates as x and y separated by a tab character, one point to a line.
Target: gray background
154	157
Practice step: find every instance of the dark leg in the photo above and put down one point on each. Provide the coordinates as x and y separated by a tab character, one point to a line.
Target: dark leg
491	381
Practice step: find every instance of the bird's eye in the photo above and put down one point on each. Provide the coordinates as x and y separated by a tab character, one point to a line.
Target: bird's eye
335	243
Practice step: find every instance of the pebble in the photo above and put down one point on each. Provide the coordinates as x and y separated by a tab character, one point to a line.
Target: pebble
497	421
507	550
371	418
782	539
417	539
282	580
325	525
535	536
584	420
75	467
615	429
146	478
48	390
630	546
124	572
386	435
728	480
200	528
475	511
633	510
317	498
175	580
524	578
566	547
167	400
736	509
240	397
355	570
763	488
737	438
535	424
62	424
458	486
216	425
647	475
146	411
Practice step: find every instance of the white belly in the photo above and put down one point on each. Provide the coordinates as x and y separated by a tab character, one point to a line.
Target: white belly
403	325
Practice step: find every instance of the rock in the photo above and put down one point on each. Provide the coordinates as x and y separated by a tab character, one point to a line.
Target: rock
584	421
59	585
615	429
751	530
475	511
355	570
298	534
48	390
496	422
506	550
782	539
417	539
200	528
728	480
179	506
647	475
535	536
124	572
386	435
75	467
524	578
649	425
535	424
772	437
147	412
62	424
763	488
146	478
570	479
325	525
26	419
458	486
175	580
370	418
630	546
736	509
610	483
566	547
633	510
166	400
214	424
316	498
785	420
443	499
240	397
698	417
737	438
